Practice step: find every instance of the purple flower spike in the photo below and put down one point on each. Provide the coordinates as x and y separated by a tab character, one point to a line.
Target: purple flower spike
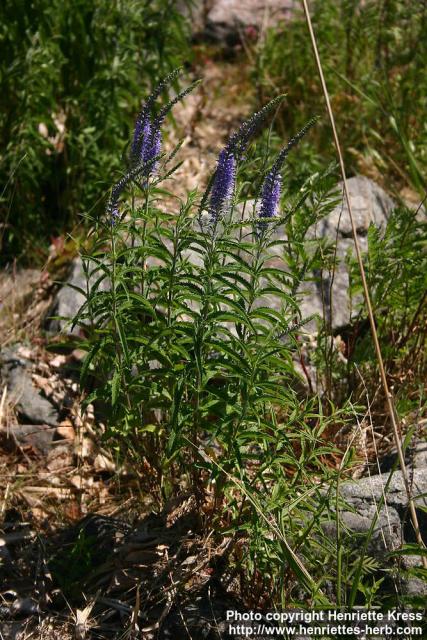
137	133
223	185
272	185
115	215
152	148
270	197
146	144
141	138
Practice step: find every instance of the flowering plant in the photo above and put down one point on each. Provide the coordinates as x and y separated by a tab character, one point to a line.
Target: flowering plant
184	334
191	345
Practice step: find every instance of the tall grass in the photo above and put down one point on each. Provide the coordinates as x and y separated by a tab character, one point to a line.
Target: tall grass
374	57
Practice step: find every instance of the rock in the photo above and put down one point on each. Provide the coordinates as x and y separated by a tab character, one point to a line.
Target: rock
69	300
419	456
329	296
413	586
38	437
370	490
326	295
415	458
385	536
393	526
227	19
27	399
195	13
410	584
369	202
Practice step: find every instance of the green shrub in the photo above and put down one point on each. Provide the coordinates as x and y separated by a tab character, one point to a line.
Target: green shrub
70	77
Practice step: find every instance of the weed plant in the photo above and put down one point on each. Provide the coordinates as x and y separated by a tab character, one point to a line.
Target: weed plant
70	74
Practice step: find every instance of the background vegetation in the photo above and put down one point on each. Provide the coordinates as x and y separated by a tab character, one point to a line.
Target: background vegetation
71	80
374	57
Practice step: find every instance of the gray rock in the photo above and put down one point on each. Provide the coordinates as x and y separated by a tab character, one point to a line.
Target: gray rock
386	535
387	532
39	437
419	457
328	296
195	12
369	490
228	18
393	525
415	458
27	399
69	300
411	584
369	203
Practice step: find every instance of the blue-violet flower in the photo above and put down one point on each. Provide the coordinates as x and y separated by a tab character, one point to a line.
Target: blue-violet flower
270	195
115	215
223	185
272	185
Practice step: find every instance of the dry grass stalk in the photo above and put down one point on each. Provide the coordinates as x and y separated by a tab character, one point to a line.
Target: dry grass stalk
388	395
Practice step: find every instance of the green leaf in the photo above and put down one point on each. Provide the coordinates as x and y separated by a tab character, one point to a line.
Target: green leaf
122	337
